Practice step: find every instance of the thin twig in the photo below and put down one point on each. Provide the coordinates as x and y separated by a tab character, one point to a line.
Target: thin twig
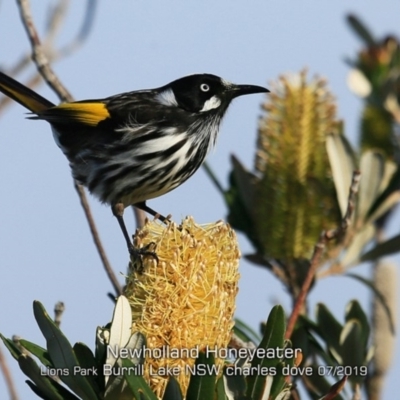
43	65
54	21
96	238
7	377
140	217
325	237
38	55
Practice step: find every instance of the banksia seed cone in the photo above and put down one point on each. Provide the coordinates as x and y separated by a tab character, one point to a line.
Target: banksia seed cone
295	197
187	300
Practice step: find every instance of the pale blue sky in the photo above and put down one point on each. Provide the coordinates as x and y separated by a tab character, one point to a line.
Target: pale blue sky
46	251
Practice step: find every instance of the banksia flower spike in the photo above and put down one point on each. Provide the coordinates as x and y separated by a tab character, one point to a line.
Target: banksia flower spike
186	301
296	197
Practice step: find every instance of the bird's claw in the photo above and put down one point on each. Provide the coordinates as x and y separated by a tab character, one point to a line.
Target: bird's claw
137	255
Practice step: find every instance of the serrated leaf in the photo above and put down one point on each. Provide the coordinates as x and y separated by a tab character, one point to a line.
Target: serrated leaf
45	385
382	249
341	158
378	295
203	386
372	166
61	354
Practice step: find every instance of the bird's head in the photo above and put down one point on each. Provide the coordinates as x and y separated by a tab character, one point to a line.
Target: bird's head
203	93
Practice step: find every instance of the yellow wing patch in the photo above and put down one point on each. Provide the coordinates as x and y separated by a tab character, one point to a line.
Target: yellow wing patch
83	112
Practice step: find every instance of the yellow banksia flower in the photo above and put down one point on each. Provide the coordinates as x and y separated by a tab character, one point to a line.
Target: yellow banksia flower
187	299
295	197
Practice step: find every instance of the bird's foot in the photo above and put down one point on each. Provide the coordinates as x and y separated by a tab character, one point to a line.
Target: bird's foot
138	255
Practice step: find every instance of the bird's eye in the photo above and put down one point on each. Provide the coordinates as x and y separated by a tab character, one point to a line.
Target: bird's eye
204	87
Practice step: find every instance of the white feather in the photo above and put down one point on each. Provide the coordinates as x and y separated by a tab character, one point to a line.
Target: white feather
210	104
167	98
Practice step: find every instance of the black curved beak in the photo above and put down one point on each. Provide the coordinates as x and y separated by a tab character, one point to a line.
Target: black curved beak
241	90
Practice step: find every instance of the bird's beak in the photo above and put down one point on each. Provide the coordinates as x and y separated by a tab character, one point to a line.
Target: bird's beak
240	90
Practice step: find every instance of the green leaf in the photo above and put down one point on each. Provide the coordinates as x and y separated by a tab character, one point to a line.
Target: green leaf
372	166
273	339
11	347
101	344
391	187
378	295
88	363
361	30
385	205
37	351
335	389
231	386
382	249
355	312
245	332
213	178
202	386
245	184
317	384
140	389
172	391
61	354
47	396
44	385
352	349
341	158
360	240
330	330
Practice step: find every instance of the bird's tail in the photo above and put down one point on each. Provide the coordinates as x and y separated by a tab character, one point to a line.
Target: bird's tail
23	95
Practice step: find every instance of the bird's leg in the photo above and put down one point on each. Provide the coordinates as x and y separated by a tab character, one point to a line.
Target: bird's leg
143	206
118	211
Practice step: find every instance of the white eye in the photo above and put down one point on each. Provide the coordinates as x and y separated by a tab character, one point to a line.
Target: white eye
204	87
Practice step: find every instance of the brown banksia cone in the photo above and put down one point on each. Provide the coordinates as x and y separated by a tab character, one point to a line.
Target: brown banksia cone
186	300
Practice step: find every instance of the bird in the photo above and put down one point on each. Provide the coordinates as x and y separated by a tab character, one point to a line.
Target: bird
135	146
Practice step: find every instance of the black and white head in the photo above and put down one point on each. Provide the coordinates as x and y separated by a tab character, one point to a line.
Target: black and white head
204	93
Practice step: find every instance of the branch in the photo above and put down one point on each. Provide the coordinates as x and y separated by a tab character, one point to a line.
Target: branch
325	237
43	65
38	55
7	377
